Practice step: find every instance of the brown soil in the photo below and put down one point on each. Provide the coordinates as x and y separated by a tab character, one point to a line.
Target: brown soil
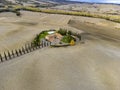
93	65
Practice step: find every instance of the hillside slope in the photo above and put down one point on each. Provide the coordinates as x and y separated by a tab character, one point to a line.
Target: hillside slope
90	66
27	1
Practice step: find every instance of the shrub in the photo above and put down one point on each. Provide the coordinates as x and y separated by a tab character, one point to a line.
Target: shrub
79	36
67	39
69	32
72	42
62	31
31	9
39	37
18	13
43	34
36	40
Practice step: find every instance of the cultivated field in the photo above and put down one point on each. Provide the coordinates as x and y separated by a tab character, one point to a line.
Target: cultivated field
93	65
16	31
89	66
92	8
97	27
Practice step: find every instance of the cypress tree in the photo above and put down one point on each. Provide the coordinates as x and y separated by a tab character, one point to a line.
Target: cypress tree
20	51
39	44
9	55
1	58
13	53
23	50
26	48
17	53
29	46
5	56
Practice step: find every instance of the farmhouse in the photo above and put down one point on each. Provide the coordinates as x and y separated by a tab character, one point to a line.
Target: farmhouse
54	38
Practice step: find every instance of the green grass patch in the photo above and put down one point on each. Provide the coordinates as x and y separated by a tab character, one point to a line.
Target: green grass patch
39	37
62	31
67	39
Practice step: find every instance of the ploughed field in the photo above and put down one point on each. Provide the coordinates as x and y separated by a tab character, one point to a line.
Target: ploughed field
93	65
16	31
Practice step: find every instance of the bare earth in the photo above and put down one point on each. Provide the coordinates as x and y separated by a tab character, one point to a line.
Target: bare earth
93	65
16	31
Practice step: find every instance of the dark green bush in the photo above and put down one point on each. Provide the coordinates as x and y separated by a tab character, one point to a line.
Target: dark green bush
36	40
67	39
69	32
39	37
62	31
18	13
79	36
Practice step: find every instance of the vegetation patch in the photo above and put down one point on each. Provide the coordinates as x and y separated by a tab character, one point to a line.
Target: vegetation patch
39	37
67	39
113	18
17	12
16	8
60	37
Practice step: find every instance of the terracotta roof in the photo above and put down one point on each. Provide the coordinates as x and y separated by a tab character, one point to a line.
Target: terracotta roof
54	37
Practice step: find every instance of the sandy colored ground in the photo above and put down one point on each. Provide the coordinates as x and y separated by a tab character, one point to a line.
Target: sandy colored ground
98	27
90	66
93	8
16	31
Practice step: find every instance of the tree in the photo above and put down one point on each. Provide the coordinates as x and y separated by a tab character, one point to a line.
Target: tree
72	43
18	13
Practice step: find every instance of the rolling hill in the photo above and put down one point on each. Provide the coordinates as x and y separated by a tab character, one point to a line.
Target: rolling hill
27	1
